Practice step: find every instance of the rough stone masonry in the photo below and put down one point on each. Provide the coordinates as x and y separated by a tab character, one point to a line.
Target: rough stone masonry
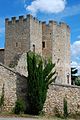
51	41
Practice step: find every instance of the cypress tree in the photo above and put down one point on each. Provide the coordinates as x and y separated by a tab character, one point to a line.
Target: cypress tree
39	78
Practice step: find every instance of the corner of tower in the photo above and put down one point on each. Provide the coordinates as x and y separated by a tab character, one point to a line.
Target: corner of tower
6	20
64	26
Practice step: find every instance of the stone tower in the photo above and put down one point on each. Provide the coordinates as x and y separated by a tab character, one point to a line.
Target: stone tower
49	40
22	35
56	38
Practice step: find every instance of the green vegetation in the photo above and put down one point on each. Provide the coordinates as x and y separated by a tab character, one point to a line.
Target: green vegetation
73	75
39	79
65	109
2	98
19	107
77	81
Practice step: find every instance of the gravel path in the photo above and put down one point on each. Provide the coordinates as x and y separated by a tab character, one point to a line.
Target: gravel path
14	118
1	118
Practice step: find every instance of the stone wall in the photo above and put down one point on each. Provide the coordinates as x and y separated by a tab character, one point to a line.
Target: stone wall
55	98
2	55
22	65
15	86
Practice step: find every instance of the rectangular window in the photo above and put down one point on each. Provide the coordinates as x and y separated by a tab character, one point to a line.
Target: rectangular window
43	44
68	78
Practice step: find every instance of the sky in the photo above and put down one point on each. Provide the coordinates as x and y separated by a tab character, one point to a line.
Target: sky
67	11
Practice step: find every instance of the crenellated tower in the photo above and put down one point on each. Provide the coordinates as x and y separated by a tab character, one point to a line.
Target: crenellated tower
50	40
56	38
22	35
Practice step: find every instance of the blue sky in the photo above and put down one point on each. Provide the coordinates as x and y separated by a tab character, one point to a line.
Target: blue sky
59	10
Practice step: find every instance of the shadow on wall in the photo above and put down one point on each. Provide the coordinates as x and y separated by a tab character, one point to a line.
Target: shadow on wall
21	88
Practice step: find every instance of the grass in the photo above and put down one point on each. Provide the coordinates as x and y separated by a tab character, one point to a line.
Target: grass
38	117
54	118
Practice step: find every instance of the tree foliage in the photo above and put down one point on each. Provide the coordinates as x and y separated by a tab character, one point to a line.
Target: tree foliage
77	81
73	75
39	79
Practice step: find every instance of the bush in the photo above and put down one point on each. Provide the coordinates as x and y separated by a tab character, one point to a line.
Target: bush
65	109
2	98
56	112
19	107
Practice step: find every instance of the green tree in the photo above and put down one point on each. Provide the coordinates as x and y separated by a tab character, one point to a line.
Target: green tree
73	75
40	76
77	81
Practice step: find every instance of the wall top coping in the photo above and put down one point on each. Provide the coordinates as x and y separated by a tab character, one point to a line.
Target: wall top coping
67	86
11	70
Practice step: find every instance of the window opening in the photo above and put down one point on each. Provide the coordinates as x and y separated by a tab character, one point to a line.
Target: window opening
43	44
33	48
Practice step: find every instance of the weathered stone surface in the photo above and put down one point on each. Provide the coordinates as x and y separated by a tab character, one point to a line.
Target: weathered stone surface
22	65
55	98
2	55
50	40
15	86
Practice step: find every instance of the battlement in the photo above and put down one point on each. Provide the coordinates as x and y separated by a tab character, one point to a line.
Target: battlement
15	20
22	18
25	18
62	25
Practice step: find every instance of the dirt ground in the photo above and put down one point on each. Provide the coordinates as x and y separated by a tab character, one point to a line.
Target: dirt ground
19	118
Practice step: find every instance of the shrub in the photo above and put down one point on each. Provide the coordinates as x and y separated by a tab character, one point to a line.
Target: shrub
19	107
65	109
2	100
2	97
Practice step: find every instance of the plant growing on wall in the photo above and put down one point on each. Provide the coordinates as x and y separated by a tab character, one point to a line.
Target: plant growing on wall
19	106
65	108
39	79
2	99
